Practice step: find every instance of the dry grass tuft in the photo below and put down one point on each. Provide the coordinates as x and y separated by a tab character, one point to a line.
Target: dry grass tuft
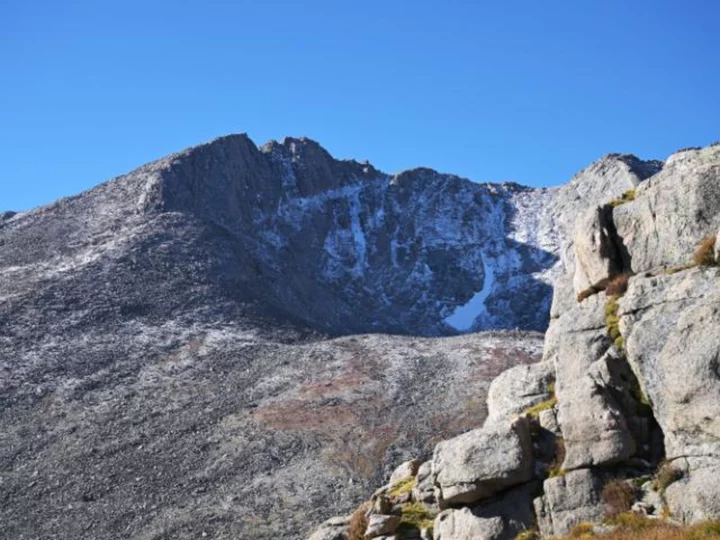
358	523
666	474
705	253
638	527
617	497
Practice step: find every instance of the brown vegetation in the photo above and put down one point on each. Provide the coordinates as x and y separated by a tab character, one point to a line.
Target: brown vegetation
638	527
705	253
617	497
358	523
617	286
666	474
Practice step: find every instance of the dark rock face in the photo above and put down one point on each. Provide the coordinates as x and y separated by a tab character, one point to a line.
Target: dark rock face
165	362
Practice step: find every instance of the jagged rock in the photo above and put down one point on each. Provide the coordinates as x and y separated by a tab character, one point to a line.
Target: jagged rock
596	257
673	211
381	525
518	388
335	528
404	471
569	500
479	463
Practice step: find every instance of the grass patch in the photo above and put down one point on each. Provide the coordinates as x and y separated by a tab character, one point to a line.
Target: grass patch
582	530
625	198
556	470
612	321
402	487
545	405
675	269
415	516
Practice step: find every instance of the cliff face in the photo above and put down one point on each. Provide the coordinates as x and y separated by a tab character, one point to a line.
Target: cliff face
625	400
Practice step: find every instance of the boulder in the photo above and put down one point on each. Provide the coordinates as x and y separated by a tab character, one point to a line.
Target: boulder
569	500
518	388
593	425
481	462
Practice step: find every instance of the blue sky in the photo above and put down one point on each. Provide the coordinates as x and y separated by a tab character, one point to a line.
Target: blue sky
515	90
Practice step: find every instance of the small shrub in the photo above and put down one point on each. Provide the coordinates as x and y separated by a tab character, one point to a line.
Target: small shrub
626	197
705	253
529	534
617	286
617	497
666	474
358	523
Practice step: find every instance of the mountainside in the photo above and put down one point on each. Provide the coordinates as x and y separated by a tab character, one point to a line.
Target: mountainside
617	426
166	361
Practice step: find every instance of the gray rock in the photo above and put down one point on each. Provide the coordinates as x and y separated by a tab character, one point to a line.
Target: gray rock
501	518
670	325
462	524
696	496
593	426
548	421
673	211
424	489
406	470
381	525
479	463
333	529
569	500
518	388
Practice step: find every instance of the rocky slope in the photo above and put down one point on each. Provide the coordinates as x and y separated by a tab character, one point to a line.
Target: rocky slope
167	361
621	413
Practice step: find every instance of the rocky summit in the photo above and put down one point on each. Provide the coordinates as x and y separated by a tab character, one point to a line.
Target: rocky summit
242	342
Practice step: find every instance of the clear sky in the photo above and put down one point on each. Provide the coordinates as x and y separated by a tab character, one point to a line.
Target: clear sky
530	91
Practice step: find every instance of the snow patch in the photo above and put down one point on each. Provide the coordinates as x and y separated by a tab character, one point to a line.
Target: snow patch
463	318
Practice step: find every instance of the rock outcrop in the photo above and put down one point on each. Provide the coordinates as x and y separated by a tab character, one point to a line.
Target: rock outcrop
628	388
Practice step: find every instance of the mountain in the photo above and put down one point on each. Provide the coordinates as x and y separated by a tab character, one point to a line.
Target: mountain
616	428
180	349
